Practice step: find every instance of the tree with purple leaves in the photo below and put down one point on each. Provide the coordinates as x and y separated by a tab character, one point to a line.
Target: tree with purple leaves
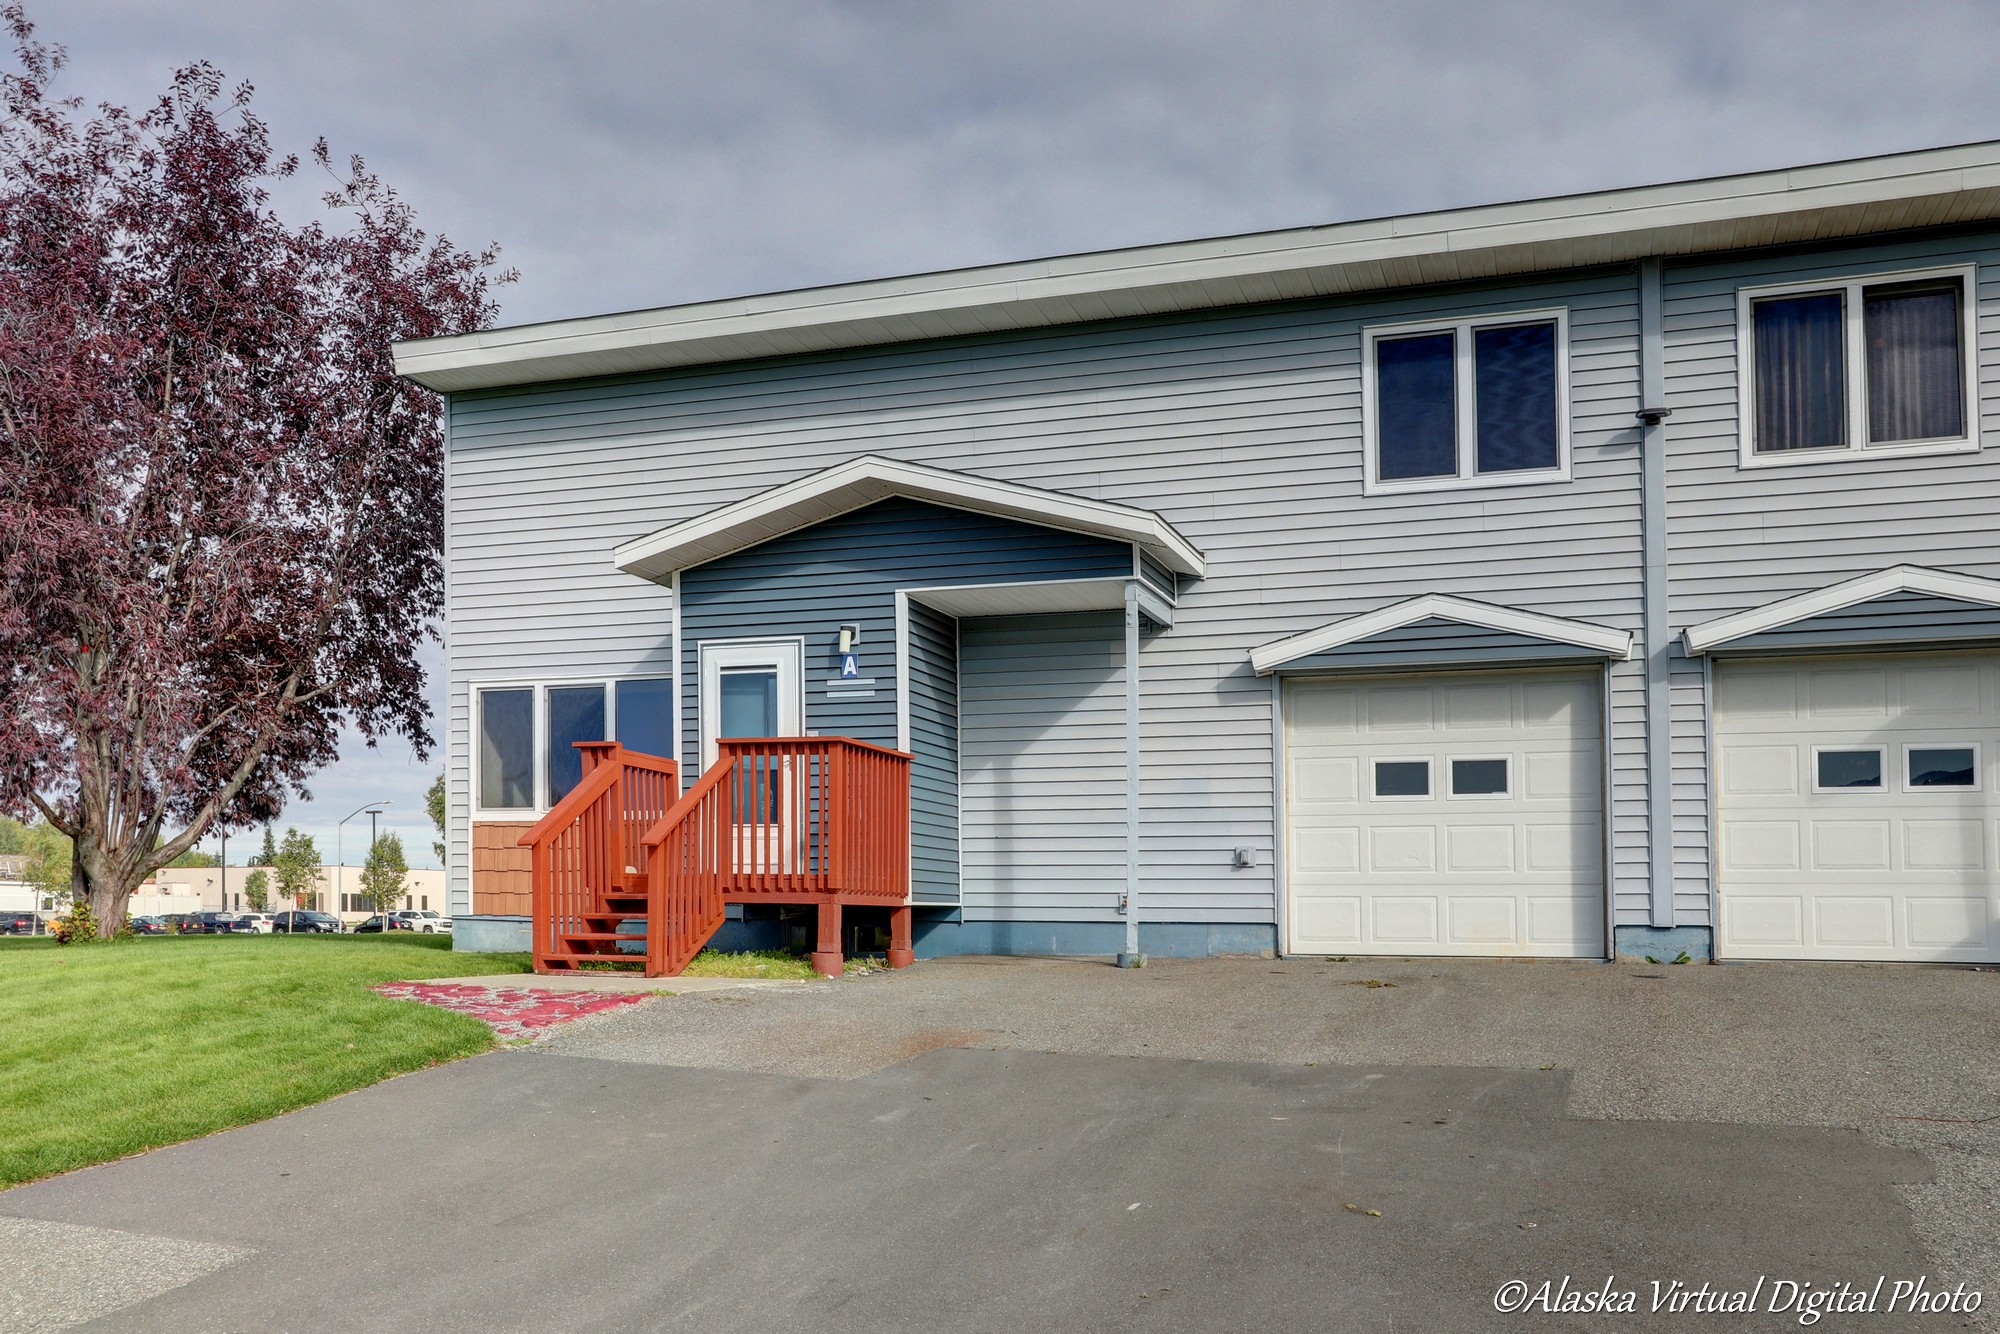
220	509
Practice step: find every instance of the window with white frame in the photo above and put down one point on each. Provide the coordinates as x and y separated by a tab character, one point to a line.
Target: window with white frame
524	735
1471	402
1880	364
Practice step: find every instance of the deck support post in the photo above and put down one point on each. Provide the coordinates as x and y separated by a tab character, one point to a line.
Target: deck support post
900	953
827	960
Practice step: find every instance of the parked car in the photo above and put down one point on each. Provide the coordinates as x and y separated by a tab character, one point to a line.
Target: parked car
425	920
256	923
19	924
208	923
374	925
305	923
150	926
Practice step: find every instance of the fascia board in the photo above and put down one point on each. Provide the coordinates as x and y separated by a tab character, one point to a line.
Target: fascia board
1616	644
1664	218
1723	630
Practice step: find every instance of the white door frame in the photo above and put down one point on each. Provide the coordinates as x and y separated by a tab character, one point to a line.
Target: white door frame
786	656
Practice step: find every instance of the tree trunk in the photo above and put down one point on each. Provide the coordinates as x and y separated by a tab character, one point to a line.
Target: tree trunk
107	896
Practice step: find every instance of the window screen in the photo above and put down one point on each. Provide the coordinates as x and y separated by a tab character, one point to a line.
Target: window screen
576	713
1514	369
1944	766
1402	778
1416	431
1914	362
1850	768
1801	397
1479	778
646	716
506	749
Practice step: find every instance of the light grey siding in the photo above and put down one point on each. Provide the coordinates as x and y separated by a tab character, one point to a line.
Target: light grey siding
1742	537
1907	620
1042	709
1241	427
933	685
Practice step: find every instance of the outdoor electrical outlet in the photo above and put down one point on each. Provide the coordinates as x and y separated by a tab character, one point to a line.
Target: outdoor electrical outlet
1245	858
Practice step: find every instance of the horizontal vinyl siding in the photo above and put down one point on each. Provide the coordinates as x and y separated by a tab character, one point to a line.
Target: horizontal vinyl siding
1241	427
1042	760
1901	618
933	685
1743	537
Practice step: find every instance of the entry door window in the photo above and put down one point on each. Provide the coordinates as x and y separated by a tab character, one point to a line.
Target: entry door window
749	690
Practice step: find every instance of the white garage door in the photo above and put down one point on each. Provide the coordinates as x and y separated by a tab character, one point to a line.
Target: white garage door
1857	807
1456	814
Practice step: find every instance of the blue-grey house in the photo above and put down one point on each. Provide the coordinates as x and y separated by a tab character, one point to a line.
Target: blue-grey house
1615	572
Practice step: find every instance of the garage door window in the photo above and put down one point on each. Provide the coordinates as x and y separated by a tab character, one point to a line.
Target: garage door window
1942	766
1854	770
1479	777
1402	778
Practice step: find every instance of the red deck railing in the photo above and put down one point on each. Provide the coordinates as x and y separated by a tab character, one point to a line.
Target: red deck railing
586	850
806	820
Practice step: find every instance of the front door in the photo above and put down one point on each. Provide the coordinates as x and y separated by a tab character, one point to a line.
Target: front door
757	690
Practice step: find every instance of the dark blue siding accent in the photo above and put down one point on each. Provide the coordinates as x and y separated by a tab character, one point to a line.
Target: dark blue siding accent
847	570
1159	576
934	743
1440	643
1906	620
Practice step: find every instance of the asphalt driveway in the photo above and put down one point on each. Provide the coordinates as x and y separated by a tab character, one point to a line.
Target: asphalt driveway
988	1144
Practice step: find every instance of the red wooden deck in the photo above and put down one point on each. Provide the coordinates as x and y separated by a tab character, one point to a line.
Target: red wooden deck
799	820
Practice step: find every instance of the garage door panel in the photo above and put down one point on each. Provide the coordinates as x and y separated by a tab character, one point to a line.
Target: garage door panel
1479	848
1955	923
1854	922
1762	771
1900	872
1506	868
1851	845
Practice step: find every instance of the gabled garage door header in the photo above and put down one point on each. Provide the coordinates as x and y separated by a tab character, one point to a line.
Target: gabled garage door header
864	481
1897	581
1593	640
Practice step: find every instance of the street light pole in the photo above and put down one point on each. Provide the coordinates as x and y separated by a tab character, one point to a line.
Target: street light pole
373	808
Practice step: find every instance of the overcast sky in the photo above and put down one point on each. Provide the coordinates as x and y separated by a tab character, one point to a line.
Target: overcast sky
636	154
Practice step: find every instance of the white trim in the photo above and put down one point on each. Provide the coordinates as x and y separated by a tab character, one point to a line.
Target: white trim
1465	402
1821	202
680	723
1711	635
1855	371
538	688
1882	762
903	671
1281	862
1978	783
1451	792
863	481
1615	644
1375	762
784	653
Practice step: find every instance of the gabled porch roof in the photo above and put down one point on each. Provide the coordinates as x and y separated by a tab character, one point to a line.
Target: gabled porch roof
1555	631
859	482
1922	595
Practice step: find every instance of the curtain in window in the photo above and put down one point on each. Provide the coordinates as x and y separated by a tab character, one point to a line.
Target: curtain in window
1914	364
1801	398
1514	368
1416	429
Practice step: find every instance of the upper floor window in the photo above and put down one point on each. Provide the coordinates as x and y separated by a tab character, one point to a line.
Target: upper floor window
524	744
1880	364
1472	402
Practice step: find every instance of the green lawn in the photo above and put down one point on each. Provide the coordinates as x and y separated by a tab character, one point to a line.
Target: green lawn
109	1049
